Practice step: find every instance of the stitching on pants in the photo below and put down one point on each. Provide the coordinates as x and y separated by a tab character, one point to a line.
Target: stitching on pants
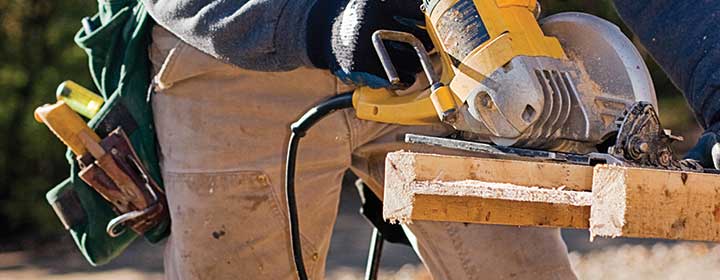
432	248
352	130
458	246
163	77
306	244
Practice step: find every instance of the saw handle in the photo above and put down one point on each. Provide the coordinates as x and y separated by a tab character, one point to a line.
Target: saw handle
417	108
378	39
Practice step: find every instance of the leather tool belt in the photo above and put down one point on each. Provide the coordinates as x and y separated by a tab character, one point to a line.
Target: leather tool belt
118	176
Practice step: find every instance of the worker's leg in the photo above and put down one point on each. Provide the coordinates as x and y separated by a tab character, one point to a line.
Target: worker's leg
458	250
222	133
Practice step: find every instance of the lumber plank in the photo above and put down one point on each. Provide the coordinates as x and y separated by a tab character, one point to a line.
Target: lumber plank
488	191
635	202
428	167
610	201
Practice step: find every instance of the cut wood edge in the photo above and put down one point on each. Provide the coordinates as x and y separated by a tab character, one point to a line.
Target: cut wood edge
607	214
501	191
397	199
651	203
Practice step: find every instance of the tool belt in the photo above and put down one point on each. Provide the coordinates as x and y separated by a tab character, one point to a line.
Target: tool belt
114	193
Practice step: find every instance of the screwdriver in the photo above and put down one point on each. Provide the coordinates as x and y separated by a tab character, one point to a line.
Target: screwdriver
80	99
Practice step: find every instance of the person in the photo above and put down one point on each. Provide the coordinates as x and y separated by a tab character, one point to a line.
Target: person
683	39
230	76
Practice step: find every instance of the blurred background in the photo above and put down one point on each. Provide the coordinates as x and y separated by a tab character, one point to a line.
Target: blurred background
37	52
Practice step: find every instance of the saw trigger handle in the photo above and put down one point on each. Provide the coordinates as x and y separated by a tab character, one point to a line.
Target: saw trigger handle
416	108
378	39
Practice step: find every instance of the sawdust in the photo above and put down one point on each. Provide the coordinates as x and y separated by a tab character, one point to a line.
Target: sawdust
406	272
686	260
504	191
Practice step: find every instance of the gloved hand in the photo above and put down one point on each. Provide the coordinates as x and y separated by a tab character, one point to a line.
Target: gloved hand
706	151
339	39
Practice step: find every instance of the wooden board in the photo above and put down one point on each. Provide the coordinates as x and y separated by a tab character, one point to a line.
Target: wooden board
609	200
489	191
635	202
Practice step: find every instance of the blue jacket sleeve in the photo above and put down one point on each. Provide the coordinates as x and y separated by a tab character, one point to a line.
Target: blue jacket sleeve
263	35
684	38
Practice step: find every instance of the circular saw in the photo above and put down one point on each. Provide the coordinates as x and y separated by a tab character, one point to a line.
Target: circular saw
568	84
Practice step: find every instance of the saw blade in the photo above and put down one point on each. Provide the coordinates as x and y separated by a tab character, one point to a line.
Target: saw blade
641	141
512	152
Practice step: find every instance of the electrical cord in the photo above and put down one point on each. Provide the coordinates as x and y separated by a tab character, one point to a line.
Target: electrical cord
298	129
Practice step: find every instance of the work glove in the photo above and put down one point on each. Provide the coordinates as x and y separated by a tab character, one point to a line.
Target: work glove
706	151
339	39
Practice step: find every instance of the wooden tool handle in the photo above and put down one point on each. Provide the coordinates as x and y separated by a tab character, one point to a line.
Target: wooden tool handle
68	126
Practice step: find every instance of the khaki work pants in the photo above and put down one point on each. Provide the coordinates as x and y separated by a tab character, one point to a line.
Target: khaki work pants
222	131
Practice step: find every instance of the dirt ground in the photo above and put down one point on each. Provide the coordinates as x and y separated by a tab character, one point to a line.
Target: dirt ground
601	259
680	261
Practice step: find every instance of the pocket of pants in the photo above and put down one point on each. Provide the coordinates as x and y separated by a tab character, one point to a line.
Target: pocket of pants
224	198
228	219
181	62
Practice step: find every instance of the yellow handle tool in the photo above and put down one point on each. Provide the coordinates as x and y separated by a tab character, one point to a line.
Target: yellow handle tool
417	108
80	99
72	130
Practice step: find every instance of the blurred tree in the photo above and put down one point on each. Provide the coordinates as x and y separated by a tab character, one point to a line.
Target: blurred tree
36	53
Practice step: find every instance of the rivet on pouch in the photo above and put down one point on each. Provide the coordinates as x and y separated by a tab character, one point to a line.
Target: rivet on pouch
262	179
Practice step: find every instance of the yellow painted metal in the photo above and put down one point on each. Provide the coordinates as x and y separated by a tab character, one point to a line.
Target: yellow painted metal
529	4
443	100
445	61
80	99
469	74
518	21
67	125
513	31
383	105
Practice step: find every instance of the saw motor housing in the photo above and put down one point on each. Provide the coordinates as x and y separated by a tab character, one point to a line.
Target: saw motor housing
559	84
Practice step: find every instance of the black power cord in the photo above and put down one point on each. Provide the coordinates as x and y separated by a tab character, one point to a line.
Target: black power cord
298	129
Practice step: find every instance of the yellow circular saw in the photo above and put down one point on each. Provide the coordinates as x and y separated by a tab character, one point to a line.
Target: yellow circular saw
557	84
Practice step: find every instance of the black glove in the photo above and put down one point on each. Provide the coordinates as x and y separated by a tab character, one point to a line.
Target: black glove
706	151
339	39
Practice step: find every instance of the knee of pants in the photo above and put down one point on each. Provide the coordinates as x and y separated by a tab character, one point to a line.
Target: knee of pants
474	251
225	223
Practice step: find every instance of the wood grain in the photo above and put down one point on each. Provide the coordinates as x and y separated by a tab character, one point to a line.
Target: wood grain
611	201
635	202
488	191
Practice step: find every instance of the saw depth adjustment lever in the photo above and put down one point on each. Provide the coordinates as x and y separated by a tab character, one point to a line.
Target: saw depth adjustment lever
440	95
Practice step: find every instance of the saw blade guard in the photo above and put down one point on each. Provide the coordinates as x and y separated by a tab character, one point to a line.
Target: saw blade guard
567	105
609	57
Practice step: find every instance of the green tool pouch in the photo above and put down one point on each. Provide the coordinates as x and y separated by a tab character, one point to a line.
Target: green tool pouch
116	40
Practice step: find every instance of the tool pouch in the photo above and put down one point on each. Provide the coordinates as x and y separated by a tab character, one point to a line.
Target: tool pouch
120	178
91	202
